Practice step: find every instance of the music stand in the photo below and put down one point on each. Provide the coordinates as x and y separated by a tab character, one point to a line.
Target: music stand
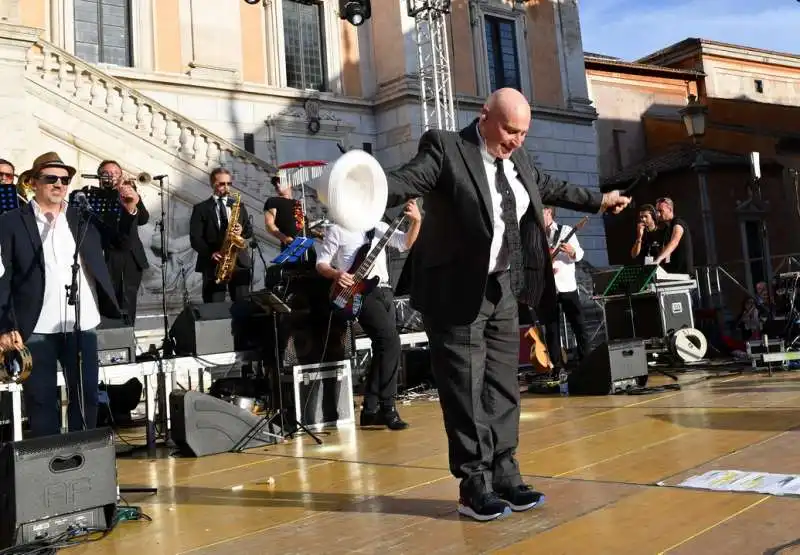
9	197
272	304
294	251
101	201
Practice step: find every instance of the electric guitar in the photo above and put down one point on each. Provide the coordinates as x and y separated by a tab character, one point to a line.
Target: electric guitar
346	301
555	250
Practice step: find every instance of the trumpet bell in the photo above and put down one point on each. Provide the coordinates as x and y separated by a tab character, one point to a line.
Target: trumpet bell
355	190
144	178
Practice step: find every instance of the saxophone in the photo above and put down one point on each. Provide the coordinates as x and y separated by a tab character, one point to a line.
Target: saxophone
231	246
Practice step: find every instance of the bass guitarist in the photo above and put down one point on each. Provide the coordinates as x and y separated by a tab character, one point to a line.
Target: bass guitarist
565	253
337	260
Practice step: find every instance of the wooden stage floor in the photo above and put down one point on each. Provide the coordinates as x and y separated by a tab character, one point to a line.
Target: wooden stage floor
598	459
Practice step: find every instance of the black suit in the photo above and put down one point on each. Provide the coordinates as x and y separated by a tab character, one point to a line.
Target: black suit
470	315
22	289
206	238
126	261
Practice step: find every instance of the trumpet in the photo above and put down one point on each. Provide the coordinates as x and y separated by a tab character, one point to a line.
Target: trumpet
142	178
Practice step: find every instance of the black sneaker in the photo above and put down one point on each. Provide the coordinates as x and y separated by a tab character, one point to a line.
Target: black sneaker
368	418
487	506
521	498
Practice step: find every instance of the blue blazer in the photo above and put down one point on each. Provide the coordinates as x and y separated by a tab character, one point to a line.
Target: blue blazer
22	282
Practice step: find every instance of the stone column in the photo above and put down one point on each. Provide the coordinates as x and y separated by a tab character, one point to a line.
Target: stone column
572	63
20	131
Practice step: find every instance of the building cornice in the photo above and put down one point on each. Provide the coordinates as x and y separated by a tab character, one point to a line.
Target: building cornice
692	47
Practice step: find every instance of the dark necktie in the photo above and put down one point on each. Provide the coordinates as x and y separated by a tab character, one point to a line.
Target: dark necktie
223	213
512	240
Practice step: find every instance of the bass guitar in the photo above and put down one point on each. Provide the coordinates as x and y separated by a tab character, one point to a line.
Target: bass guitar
556	249
346	301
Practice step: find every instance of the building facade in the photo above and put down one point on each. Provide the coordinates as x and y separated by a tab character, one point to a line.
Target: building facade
179	86
748	229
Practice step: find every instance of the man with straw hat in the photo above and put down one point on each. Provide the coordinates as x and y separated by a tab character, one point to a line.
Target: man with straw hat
37	245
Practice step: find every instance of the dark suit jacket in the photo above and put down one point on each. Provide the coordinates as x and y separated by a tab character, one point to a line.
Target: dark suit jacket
451	255
22	283
206	237
136	247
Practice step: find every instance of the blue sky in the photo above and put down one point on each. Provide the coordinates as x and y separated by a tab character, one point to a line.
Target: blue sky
630	29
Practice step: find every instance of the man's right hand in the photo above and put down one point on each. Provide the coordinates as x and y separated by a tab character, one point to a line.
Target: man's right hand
343	279
216	257
10	341
287	240
640	230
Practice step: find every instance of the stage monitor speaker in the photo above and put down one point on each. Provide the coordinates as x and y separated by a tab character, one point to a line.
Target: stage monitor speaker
49	484
204	425
613	367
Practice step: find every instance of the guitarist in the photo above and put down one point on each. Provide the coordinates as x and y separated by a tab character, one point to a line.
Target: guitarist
566	254
335	261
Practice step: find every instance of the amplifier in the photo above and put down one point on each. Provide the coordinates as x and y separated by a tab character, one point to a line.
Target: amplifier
116	343
613	367
320	395
211	328
655	315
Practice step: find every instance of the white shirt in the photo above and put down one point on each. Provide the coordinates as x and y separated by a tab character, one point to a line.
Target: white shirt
340	246
498	256
58	246
563	264
227	209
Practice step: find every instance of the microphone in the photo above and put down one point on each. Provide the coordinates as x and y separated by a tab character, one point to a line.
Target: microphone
159	177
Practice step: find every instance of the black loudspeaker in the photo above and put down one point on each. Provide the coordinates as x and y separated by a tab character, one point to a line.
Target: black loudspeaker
49	484
204	425
211	328
611	368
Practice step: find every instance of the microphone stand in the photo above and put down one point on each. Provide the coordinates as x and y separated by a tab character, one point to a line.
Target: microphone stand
74	299
254	246
167	346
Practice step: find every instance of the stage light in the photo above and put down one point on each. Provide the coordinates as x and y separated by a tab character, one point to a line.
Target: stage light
355	11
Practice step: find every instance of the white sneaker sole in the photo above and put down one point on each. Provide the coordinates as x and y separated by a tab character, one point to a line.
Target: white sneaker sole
529	506
468	511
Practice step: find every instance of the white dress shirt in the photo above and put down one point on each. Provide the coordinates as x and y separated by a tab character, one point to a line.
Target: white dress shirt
498	256
563	264
340	246
227	209
58	246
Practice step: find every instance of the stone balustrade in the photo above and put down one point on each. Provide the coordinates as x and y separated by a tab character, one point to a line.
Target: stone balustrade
117	102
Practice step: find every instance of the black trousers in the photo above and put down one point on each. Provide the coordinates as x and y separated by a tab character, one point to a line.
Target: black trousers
238	286
41	388
126	277
475	367
570	304
377	319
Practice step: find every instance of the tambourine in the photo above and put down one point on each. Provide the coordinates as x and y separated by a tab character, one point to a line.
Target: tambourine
16	365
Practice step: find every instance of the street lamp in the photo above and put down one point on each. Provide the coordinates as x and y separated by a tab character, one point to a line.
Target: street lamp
694	118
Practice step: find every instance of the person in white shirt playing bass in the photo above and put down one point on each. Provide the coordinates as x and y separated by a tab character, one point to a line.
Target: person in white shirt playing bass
566	253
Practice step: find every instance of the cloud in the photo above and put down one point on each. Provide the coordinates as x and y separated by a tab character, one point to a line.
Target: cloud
631	29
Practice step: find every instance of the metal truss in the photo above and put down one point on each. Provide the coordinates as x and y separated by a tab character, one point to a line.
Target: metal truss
435	80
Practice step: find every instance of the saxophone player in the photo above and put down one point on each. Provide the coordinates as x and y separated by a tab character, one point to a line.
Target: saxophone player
207	230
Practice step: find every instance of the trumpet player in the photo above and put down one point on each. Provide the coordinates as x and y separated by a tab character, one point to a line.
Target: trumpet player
207	230
127	264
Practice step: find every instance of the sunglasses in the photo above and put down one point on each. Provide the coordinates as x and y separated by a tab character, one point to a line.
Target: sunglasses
5	175
228	183
53	179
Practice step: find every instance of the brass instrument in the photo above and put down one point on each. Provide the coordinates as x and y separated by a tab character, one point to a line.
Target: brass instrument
232	245
25	186
16	365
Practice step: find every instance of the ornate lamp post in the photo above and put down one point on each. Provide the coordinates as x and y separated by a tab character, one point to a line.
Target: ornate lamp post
694	120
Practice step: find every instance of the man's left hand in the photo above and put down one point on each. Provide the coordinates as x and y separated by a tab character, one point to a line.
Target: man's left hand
412	211
614	202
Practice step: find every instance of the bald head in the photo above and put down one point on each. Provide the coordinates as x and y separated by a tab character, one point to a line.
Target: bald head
504	122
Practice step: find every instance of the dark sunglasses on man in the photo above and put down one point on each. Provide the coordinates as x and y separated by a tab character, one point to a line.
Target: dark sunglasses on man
53	179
